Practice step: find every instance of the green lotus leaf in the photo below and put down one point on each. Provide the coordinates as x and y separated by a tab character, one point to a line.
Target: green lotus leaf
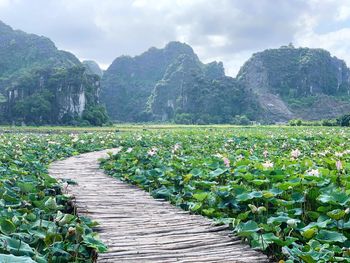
200	196
93	242
309	233
15	246
336	214
217	172
7	227
15	259
335	198
330	236
52	238
246	229
280	219
248	196
50	203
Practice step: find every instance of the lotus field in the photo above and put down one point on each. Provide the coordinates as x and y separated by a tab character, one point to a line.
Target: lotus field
37	222
286	191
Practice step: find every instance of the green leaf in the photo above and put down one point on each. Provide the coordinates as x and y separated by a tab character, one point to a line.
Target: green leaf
15	259
248	196
15	247
52	238
217	172
93	242
309	233
335	198
200	196
336	214
280	219
50	203
27	187
330	236
7	227
246	229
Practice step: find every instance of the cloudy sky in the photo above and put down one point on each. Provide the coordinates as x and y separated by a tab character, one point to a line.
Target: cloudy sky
223	30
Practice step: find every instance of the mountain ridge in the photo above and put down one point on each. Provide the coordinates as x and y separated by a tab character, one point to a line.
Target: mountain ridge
40	84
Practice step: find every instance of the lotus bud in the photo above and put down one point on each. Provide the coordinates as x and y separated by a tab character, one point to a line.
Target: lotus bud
253	208
261	209
292	222
71	231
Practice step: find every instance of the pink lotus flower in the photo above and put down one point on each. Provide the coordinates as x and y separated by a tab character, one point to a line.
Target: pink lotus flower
339	165
218	155
240	157
338	154
267	164
295	153
265	153
226	161
152	152
313	172
176	147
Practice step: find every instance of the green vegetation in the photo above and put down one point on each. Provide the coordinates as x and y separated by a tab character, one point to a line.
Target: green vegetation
37	221
40	84
284	190
343	120
173	85
276	85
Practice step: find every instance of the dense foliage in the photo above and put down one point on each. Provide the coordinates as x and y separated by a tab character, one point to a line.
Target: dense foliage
37	222
284	190
173	85
344	120
297	83
299	72
40	84
128	83
275	85
193	93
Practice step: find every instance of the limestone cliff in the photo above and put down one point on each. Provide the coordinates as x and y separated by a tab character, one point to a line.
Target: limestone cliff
297	83
172	84
40	84
128	83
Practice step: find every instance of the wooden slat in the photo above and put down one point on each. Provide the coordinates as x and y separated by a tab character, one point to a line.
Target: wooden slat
139	228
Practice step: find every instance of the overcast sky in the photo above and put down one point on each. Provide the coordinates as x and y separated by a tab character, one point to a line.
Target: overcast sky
222	30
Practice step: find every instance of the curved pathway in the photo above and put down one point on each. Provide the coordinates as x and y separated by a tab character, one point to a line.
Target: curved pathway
139	228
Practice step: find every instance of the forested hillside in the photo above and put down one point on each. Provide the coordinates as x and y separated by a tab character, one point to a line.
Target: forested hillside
40	84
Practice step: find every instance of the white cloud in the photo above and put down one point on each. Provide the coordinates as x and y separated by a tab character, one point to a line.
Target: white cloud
227	30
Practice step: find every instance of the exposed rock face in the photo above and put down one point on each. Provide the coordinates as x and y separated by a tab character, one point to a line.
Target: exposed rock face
40	84
128	83
171	83
200	93
291	82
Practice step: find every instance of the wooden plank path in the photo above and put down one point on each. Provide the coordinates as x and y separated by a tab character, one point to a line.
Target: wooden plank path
139	228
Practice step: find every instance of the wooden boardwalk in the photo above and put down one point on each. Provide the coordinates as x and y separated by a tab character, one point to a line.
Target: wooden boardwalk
138	228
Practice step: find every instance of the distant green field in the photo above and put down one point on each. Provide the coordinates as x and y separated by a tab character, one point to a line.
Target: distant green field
135	127
121	127
114	128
